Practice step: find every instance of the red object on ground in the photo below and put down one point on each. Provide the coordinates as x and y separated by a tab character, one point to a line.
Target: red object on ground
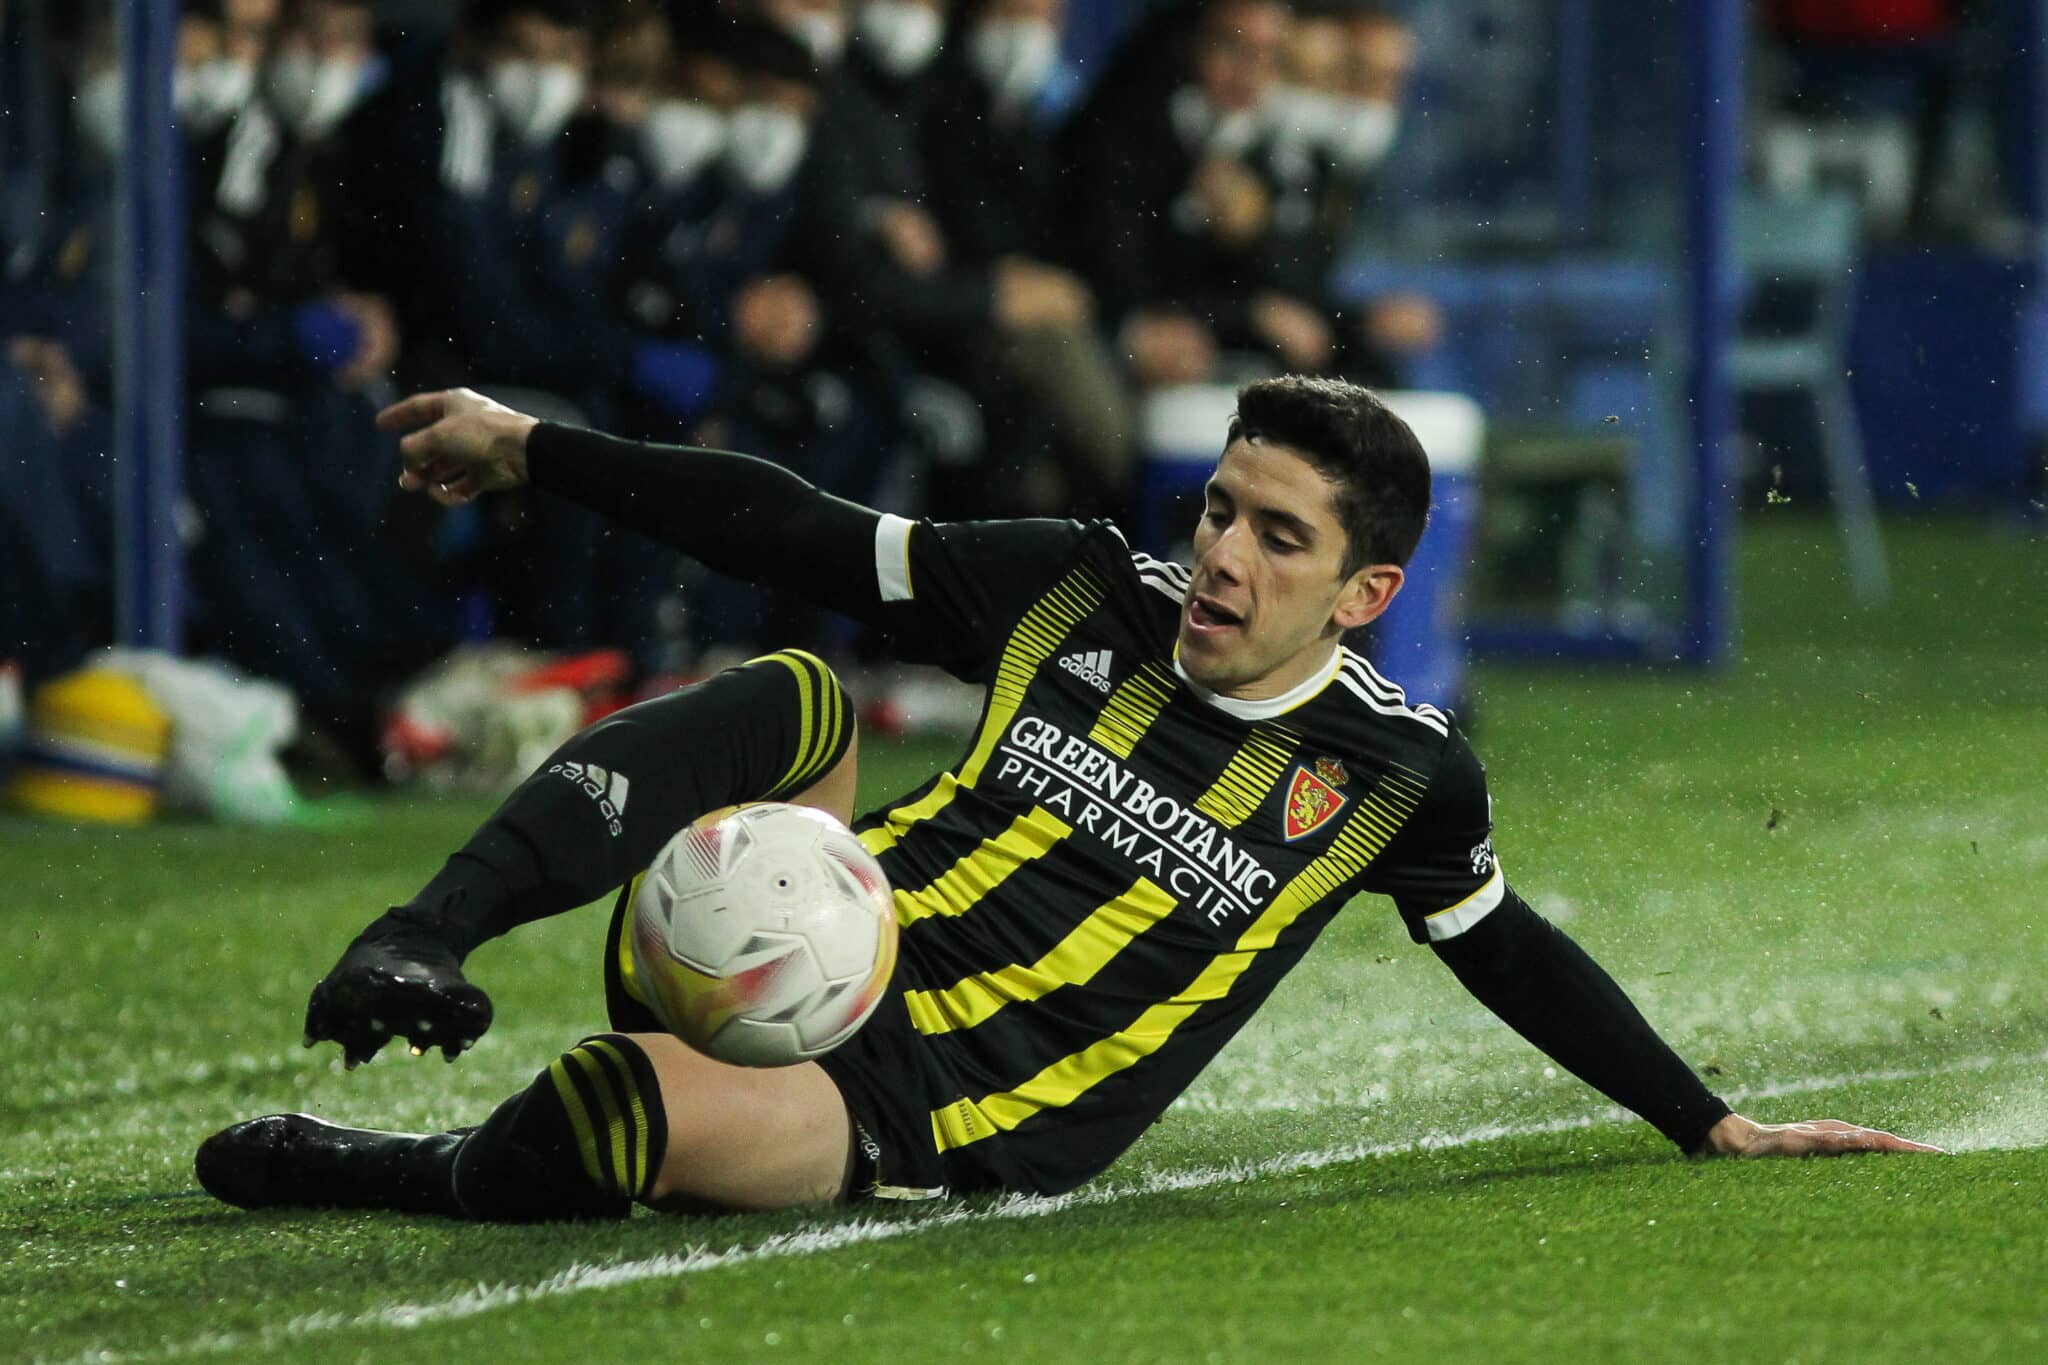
601	670
599	677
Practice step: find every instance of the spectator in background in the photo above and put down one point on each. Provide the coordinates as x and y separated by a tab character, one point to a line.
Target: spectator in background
1166	210
685	130
53	506
600	190
727	268
936	325
476	204
55	366
682	136
820	25
1330	122
282	465
1174	205
895	42
994	189
719	116
892	48
325	63
265	307
447	169
723	270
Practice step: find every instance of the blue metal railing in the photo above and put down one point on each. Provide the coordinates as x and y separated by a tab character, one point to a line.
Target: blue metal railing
149	379
1714	108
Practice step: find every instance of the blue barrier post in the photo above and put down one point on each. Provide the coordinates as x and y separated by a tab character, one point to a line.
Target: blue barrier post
1575	147
149	340
1714	100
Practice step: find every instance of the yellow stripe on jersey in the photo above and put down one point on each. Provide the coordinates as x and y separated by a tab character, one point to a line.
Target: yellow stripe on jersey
821	718
1043	629
1131	709
966	1121
1073	961
1252	772
961	887
629	978
883	837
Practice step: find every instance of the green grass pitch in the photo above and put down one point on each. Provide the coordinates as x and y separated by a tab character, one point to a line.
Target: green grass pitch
1818	871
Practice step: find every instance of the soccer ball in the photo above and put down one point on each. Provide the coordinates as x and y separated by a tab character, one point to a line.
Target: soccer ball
766	937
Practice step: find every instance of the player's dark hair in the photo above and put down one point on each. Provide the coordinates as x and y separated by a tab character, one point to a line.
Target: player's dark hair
1355	441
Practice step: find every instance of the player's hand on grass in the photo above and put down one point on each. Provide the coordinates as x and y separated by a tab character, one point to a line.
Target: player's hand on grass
397	981
458	444
1738	1136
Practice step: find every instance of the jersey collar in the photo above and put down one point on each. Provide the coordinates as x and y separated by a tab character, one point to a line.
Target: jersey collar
1263	708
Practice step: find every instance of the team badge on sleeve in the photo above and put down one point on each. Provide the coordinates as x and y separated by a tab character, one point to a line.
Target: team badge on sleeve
1312	798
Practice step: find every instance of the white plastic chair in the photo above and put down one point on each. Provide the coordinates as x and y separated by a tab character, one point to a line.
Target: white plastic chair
1809	243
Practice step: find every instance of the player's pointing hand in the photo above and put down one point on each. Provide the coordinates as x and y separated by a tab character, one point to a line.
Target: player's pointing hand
1738	1136
458	444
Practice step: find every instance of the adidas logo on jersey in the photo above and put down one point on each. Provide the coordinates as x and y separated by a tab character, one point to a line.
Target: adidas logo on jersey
1091	667
608	789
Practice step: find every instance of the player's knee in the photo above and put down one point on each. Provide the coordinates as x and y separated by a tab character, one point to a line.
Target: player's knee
822	716
744	1137
682	1072
816	677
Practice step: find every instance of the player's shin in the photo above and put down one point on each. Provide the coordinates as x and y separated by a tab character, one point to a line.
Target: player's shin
585	1140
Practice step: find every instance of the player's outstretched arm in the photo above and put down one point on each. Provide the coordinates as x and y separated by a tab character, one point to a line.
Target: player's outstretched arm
1738	1136
1548	989
744	517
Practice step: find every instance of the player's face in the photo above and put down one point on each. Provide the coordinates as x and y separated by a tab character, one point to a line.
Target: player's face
1269	594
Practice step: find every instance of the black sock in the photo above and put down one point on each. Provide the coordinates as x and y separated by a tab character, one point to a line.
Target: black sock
585	1140
411	1174
606	802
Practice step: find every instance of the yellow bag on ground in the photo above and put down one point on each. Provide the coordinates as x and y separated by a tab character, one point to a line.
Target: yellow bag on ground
94	750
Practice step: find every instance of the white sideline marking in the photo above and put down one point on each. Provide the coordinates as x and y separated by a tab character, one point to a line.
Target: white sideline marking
820	1238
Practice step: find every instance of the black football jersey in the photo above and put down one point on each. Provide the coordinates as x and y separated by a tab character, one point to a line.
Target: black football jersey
1123	865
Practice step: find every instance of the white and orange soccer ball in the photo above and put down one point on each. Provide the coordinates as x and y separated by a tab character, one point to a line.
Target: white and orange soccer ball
765	937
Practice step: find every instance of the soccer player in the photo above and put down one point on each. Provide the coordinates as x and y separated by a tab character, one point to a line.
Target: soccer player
1179	777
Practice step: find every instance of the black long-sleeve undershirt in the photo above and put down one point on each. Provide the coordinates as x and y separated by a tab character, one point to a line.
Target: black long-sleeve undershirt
1546	988
739	515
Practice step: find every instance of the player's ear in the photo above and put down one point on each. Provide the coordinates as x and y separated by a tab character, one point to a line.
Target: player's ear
1366	594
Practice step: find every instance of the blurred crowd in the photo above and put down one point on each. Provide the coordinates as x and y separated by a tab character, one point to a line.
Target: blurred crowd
902	246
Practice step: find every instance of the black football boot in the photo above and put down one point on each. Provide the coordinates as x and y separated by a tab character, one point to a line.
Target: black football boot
298	1161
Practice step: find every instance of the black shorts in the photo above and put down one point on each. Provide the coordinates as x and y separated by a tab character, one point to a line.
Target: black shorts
881	1073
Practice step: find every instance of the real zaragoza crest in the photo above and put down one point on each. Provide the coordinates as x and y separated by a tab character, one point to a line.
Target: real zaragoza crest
1312	798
